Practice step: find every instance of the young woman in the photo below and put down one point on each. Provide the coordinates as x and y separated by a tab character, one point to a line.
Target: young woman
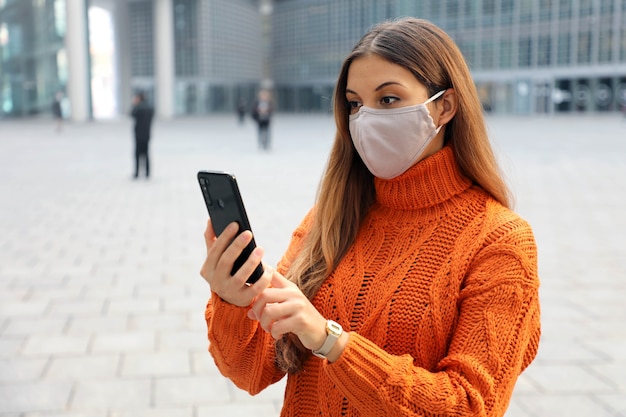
417	293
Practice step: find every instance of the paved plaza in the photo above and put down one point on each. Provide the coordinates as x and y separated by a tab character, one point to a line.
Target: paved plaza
101	301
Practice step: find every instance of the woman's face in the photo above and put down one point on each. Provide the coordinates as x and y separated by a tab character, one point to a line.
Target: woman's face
377	83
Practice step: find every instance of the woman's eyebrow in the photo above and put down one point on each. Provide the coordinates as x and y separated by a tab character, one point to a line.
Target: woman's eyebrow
386	84
380	87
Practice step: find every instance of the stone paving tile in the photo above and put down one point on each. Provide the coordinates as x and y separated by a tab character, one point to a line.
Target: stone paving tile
568	378
30	325
10	346
100	293
67	413
34	396
45	345
616	403
83	367
157	321
112	393
124	342
184	339
96	324
21	369
160	412
155	364
565	405
199	390
240	410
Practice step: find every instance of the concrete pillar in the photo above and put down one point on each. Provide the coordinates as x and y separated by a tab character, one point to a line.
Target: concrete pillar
164	58
122	57
77	47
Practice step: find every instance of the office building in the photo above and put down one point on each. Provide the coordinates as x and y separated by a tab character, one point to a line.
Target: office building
201	56
188	56
526	56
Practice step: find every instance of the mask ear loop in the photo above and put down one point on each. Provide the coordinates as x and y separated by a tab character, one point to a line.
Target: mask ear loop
433	98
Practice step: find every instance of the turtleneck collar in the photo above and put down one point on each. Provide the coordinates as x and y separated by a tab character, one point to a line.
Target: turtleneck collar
427	183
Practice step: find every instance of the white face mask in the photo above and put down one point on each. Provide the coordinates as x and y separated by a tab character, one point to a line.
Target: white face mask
389	141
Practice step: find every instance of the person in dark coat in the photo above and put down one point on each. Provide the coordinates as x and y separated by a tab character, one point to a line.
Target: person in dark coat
57	110
262	114
143	113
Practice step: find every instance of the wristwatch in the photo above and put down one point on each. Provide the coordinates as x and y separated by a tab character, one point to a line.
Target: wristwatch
333	331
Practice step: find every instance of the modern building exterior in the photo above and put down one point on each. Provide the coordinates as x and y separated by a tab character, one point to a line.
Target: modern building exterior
526	56
188	56
202	56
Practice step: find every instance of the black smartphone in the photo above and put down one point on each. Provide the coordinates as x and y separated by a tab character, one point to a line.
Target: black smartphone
223	201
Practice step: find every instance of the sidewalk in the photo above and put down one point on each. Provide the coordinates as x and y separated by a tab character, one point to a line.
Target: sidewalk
101	302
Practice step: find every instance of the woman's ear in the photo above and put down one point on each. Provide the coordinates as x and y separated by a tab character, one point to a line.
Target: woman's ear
447	106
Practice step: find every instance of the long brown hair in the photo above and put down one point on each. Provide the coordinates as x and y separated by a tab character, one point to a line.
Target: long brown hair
346	190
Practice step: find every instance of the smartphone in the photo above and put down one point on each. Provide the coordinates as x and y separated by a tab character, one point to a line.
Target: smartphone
223	201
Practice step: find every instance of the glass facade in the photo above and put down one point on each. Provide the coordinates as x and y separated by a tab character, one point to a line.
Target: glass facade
217	52
526	56
33	64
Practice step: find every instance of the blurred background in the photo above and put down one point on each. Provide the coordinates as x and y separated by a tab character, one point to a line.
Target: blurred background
198	57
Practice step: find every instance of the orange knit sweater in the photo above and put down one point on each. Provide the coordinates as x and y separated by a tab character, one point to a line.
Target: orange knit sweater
439	293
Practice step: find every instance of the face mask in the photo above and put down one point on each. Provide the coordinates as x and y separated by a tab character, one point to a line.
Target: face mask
389	141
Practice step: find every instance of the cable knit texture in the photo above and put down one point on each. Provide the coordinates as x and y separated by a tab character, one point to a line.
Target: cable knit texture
439	293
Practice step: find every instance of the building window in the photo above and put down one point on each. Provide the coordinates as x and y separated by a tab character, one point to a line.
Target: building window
622	48
565	9
506	53
185	37
584	48
470	14
435	9
526	11
563	49
468	48
524	53
141	38
487	54
605	53
585	8
452	13
489	11
606	6
545	10
544	51
506	12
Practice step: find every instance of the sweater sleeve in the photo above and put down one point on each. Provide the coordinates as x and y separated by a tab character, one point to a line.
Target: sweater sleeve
241	349
495	339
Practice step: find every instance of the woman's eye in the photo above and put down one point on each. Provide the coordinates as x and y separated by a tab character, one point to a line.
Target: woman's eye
389	100
354	105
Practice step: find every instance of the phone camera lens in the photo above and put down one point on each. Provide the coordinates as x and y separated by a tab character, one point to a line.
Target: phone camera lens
220	203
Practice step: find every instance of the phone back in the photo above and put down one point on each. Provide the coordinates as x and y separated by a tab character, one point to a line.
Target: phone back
223	200
225	205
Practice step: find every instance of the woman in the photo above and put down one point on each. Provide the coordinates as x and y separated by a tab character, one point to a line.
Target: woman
418	290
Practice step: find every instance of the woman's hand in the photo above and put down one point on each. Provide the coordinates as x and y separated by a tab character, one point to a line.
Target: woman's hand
221	256
283	308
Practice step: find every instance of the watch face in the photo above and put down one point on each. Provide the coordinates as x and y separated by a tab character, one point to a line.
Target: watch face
333	328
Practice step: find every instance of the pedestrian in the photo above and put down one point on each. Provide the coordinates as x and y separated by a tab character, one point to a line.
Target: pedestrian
143	113
411	287
262	114
57	110
241	110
